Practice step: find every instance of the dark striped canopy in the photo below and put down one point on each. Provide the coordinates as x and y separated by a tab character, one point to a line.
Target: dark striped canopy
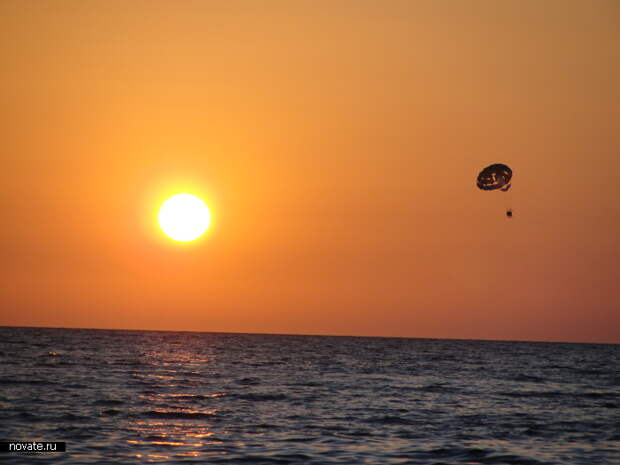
495	176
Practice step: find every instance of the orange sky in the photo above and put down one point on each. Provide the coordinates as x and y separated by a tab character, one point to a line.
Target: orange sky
337	145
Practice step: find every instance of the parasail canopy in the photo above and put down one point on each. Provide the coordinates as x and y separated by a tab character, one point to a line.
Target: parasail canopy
496	176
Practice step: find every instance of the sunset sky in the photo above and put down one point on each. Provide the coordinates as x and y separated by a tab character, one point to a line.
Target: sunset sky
337	144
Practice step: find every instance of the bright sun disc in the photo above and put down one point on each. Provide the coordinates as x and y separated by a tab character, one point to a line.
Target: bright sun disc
184	217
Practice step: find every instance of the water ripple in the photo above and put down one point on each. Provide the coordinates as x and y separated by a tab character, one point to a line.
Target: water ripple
119	397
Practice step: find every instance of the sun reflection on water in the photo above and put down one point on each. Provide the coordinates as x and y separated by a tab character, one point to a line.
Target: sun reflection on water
186	438
175	412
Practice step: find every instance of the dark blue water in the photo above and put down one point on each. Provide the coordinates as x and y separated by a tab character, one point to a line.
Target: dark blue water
119	397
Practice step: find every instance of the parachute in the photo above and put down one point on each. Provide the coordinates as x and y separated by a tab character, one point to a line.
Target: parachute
496	177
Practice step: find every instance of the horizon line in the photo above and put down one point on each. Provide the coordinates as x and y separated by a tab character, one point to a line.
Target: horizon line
310	335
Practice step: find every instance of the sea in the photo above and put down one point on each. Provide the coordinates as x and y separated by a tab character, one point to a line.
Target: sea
123	397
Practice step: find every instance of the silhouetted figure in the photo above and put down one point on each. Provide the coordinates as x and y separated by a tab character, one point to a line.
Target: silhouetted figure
509	213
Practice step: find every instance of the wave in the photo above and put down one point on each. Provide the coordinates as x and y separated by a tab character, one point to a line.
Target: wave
390	420
248	381
560	394
437	388
261	396
283	459
31	382
175	414
108	402
187	396
528	378
473	455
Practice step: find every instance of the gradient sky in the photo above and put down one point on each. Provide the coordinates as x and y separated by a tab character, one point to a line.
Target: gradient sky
337	145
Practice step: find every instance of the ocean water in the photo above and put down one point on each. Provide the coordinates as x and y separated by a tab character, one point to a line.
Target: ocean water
120	397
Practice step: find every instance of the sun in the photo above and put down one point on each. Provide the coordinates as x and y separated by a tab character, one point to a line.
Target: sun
184	217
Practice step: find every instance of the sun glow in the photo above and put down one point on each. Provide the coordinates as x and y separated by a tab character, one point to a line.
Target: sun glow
184	217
